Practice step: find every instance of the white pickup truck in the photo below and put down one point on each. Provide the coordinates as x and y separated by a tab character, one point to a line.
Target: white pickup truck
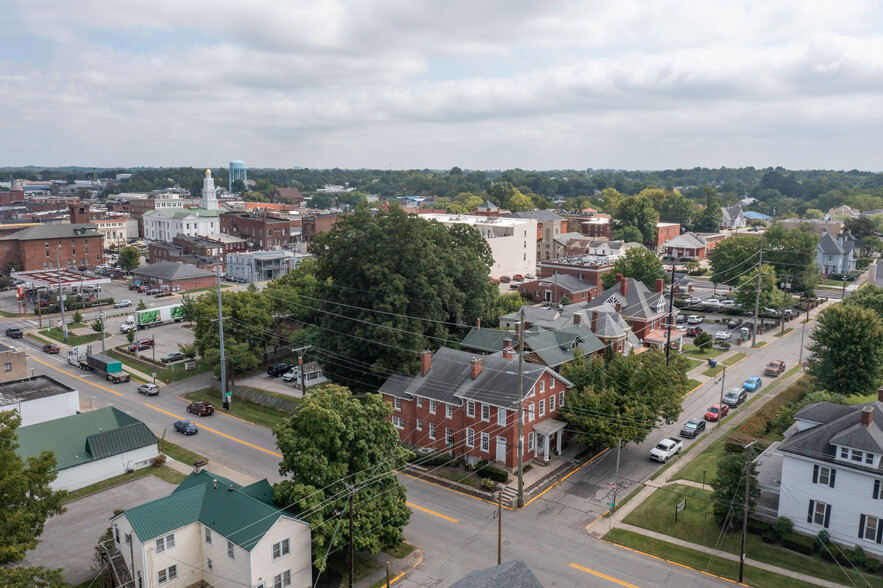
666	448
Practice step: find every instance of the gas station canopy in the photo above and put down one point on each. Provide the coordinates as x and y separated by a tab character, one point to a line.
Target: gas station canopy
49	278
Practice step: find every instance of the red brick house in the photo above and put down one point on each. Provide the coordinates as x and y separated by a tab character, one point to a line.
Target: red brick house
553	288
468	405
644	310
36	247
664	232
587	270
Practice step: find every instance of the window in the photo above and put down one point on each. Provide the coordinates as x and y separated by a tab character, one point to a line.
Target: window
542	386
530	441
398	422
165	543
116	533
432	430
552	403
7	367
282	580
551	383
168	574
419	402
844	453
819	513
857	455
419	424
501	417
870	528
208	563
208	535
449	411
485	412
561	399
876	495
470	408
823	475
543	407
531	411
470	438
231	550
449	436
432	405
398	403
485	442
281	549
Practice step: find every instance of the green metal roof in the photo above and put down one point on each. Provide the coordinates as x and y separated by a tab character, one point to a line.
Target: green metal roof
237	513
84	437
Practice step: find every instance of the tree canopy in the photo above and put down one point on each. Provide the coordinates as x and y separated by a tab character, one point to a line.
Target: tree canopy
638	263
770	294
729	490
638	212
130	258
25	493
331	441
846	349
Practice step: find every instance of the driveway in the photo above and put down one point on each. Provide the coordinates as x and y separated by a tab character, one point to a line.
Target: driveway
69	540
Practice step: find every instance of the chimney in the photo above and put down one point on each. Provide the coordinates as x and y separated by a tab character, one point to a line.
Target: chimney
618	278
425	362
623	285
595	321
660	284
867	416
476	367
215	484
518	328
507	343
508	352
478	323
618	308
880	394
577	318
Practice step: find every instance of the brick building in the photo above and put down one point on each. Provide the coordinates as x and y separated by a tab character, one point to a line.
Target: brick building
554	288
260	231
15	366
316	223
229	243
550	227
167	273
468	405
286	194
12	196
645	311
664	232
591	269
36	247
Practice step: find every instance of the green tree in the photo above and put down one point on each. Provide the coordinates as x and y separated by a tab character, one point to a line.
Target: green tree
610	200
25	493
392	285
770	295
500	193
98	325
188	349
248	319
187	307
510	302
295	294
239	186
638	212
869	296
36	577
729	490
468	200
130	258
624	398
846	350
331	441
77	318
702	342
638	263
676	209
519	202
628	235
860	227
813	213
709	219
141	305
130	335
871	245
241	357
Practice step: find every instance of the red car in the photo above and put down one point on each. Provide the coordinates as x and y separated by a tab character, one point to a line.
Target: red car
141	345
693	331
717	412
201	408
51	348
518	278
505	279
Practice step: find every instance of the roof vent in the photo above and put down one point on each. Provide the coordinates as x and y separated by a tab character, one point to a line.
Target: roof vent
230	488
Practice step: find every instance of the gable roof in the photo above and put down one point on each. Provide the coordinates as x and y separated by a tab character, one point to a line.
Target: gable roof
687	241
512	574
237	513
488	205
53	231
731	213
569	282
829	245
551	347
84	437
183	213
637	302
169	270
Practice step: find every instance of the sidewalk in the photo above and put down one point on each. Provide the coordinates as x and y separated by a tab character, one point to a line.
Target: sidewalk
397	567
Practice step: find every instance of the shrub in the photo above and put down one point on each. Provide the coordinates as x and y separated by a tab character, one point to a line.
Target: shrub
487	484
799	543
702	341
159	460
758	527
434	459
872	565
822	539
769	536
857	556
496	474
725	345
783	526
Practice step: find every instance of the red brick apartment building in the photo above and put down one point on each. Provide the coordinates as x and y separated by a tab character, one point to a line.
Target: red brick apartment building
468	404
260	231
35	248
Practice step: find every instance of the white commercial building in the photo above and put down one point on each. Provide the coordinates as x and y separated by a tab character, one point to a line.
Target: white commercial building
39	399
117	231
166	223
260	266
513	241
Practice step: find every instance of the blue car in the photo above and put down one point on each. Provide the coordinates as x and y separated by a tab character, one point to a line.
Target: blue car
752	384
186	427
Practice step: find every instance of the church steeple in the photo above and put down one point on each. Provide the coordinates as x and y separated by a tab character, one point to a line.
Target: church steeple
209	198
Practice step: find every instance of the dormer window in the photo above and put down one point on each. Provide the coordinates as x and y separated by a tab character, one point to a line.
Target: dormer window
858	456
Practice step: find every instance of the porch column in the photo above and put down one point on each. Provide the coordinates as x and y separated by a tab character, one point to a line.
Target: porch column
558	440
545	447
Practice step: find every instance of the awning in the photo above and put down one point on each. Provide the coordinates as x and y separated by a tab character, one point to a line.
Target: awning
548	427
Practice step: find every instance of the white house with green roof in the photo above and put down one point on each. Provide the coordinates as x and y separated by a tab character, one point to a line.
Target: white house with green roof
213	531
91	446
164	224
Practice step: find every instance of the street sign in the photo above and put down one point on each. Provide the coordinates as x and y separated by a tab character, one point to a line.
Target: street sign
613	486
611	505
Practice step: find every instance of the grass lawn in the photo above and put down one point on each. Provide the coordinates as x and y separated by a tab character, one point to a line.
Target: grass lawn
208	289
734	359
73	340
788	330
163	374
178	453
759	345
164	473
695	353
712	372
702	561
707	460
691	363
243	409
467	479
401	550
693	384
696	524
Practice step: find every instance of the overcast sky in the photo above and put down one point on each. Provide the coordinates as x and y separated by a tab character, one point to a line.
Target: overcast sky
641	84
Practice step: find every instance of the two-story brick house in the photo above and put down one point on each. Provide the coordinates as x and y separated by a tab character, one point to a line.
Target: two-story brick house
468	405
832	473
645	311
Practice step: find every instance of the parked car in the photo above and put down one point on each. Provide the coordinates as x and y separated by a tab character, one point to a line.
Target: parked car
148	389
692	300
51	348
15	333
774	368
292	375
513	286
518	278
752	384
681	319
729	303
665	449
201	408
733	323
716	412
712	301
140	345
172	357
722	336
529	277
186	427
505	279
693	428
735	397
693	331
681	327
695	319
122	303
152	291
277	369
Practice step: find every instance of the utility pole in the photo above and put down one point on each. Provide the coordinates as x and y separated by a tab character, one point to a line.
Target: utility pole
803	332
352	536
671	299
721	404
500	527
615	482
224	398
153	351
745	506
103	329
843	294
757	295
61	298
520	440
785	286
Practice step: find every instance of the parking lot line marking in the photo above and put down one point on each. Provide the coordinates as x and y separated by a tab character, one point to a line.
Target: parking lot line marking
605	576
216	432
432	512
81	378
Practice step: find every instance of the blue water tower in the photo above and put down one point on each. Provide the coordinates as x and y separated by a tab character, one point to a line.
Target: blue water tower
237	172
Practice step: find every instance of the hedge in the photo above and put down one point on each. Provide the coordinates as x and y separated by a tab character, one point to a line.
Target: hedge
434	459
799	543
758	527
757	425
495	474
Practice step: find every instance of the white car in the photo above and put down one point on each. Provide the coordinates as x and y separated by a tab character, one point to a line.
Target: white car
693	300
729	303
681	328
722	335
122	304
292	375
694	319
713	301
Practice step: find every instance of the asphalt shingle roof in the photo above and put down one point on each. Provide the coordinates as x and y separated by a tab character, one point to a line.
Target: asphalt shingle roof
169	270
512	574
638	301
829	245
539	215
53	231
567	281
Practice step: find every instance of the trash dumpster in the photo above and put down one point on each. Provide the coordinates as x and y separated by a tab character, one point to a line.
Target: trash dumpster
712	362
